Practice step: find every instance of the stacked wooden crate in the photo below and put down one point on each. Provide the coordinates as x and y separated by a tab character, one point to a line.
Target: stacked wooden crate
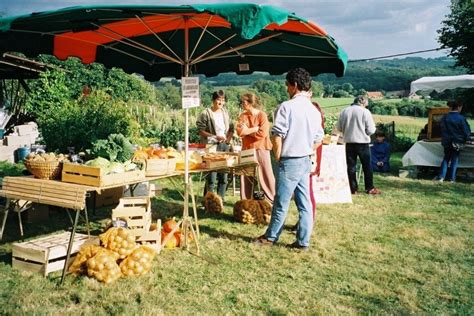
136	213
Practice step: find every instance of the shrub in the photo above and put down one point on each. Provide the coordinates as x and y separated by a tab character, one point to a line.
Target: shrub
402	143
329	122
80	122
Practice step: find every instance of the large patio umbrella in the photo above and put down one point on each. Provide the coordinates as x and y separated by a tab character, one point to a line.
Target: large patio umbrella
179	41
158	41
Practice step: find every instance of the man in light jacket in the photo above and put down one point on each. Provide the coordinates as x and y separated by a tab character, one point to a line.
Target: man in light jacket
296	133
356	124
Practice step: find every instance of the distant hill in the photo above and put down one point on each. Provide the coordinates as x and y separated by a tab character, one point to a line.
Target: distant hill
393	74
386	75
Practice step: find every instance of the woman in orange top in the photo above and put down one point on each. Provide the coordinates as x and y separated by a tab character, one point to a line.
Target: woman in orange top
254	128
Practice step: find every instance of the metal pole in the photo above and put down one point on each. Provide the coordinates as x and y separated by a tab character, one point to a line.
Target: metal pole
186	138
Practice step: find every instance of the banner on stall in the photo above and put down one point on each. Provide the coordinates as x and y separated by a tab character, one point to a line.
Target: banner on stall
332	186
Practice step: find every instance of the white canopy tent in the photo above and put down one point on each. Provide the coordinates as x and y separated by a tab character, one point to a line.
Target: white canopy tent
442	83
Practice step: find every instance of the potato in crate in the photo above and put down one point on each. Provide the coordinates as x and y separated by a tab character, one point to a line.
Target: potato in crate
136	212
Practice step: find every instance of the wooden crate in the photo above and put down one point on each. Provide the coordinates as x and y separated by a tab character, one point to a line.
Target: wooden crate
152	238
159	167
95	176
248	155
136	211
229	162
47	254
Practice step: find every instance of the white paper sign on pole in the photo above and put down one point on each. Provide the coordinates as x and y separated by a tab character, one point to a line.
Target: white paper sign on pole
190	92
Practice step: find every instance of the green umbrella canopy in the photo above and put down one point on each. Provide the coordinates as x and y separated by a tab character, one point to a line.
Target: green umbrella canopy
159	41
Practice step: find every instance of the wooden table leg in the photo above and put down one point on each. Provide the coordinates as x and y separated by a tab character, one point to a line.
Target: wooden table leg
193	200
69	247
5	215
87	221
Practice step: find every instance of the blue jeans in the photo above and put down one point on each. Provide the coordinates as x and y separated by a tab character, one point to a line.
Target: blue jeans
450	155
292	177
218	178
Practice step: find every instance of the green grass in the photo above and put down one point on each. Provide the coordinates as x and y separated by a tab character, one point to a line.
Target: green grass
406	251
333	105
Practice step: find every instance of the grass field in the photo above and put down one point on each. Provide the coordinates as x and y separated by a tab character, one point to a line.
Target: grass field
333	105
406	251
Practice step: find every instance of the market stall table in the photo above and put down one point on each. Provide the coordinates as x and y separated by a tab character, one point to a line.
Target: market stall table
430	154
73	196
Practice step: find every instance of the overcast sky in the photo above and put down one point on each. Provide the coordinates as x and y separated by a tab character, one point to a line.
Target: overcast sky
364	28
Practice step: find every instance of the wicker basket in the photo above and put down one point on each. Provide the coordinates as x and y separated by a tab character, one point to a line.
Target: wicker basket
45	169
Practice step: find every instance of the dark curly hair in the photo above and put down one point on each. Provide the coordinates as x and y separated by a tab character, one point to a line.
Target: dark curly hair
300	77
218	94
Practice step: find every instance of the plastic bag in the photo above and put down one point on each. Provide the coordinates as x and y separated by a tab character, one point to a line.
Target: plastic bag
103	266
79	266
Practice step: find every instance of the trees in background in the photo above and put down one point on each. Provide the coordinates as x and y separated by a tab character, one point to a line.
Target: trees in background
457	33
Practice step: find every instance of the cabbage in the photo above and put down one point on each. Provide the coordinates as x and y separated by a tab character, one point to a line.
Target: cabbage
116	167
98	162
129	166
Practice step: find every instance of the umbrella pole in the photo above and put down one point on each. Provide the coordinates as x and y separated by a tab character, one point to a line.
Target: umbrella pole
187	224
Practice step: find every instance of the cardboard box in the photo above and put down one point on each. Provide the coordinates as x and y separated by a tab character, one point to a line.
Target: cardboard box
109	197
7	153
25	129
18	141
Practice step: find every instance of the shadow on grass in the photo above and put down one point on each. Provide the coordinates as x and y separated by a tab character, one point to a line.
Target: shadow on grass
224	234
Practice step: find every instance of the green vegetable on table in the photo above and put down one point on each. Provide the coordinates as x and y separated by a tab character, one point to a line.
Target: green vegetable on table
115	148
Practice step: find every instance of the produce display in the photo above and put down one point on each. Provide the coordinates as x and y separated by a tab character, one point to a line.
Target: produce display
178	236
103	266
45	165
138	262
194	159
79	266
115	148
42	157
216	156
174	240
213	203
253	211
153	153
118	255
112	167
118	240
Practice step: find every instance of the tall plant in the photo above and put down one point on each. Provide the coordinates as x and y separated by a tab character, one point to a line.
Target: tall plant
80	122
